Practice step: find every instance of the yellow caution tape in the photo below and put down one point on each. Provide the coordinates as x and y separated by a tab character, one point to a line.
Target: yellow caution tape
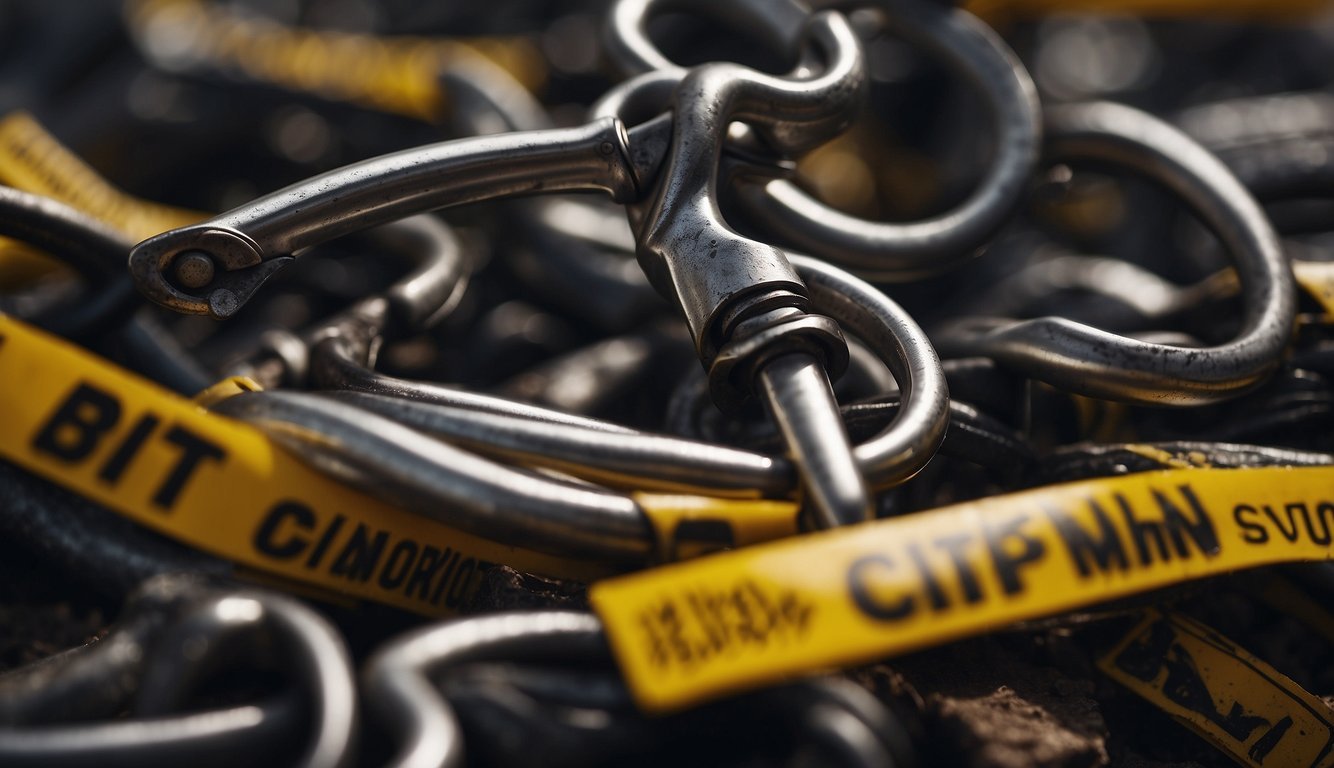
1317	279
223	487
228	387
1170	459
689	526
398	74
1240	704
690	631
21	265
33	160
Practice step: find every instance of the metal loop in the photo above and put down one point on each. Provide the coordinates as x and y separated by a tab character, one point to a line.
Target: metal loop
99	679
397	678
911	439
631	460
777	22
176	629
214	739
687	249
306	644
891	251
336	364
1088	361
851	726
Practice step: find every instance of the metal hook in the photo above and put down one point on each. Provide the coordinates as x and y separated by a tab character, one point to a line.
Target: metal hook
746	308
744	303
396	678
1092	362
214	267
897	252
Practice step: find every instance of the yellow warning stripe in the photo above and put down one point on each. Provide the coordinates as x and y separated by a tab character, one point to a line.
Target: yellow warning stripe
1241	705
223	487
33	160
392	74
690	631
1317	279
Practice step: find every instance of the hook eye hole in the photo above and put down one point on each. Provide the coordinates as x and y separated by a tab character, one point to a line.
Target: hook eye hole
691	39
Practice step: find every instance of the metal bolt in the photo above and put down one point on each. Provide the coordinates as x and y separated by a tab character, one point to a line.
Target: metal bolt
194	269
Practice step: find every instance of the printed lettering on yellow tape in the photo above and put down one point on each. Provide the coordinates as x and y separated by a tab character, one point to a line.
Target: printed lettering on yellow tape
221	486
33	160
1237	702
686	632
689	526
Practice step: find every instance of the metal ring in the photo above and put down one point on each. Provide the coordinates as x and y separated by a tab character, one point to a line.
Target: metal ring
908	251
98	680
177	631
399	687
911	439
309	646
1092	362
397	679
